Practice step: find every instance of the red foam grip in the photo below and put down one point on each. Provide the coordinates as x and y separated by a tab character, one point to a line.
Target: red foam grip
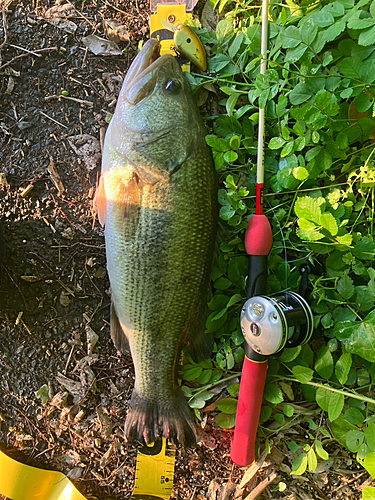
248	411
258	236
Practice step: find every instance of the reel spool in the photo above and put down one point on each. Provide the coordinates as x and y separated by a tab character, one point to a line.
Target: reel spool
271	323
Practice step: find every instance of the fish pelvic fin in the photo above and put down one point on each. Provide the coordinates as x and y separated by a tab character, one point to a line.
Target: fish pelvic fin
117	333
149	420
100	202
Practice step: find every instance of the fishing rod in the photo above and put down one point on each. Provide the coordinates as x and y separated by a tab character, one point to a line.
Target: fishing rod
268	323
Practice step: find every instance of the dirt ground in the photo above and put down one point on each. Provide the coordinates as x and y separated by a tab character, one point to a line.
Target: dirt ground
54	289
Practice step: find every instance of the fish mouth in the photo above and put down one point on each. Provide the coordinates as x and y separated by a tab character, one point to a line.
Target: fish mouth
141	77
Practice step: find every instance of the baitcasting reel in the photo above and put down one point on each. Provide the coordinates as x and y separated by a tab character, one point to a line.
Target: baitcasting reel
284	320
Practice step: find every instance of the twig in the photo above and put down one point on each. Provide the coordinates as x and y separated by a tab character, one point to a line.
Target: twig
262	486
47	49
75	99
119	10
52	119
26	50
5	24
68	361
83	17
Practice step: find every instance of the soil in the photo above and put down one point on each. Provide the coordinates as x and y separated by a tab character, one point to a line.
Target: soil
54	289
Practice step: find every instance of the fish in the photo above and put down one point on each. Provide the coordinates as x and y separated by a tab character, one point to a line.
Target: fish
157	198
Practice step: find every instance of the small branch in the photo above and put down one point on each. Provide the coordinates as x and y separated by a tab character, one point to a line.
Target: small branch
35	52
52	119
5	24
26	50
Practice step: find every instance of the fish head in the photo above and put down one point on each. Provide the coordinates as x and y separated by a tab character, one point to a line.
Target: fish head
156	121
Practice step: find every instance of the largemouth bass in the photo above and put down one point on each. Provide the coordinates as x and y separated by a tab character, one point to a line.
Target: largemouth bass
157	198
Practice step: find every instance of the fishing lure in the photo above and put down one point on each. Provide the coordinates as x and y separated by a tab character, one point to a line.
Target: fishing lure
188	44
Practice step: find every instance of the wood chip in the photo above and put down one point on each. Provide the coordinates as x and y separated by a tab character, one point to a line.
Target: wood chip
253	469
55	177
27	190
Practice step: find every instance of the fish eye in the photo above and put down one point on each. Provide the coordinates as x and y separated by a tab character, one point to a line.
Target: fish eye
172	86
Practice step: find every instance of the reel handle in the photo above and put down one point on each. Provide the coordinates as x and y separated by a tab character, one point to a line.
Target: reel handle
248	411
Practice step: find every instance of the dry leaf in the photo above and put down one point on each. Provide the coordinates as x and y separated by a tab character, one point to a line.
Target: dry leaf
55	177
75	388
64	24
115	31
107	455
64	299
66	10
31	279
100	46
10	85
88	147
92	339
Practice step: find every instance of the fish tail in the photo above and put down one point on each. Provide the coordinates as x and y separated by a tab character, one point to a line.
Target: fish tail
148	420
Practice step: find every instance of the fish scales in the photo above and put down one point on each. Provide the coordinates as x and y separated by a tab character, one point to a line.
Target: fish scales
157	197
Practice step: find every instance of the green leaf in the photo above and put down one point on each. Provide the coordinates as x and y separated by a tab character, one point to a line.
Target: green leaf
299	465
354	416
354	439
216	143
191	372
340	427
276	143
222	284
226	421
367	37
299	94
234	299
230	156
290	37
359	336
324	363
320	450
233	390
312	460
303	374
345	287
309	208
287	149
368	493
342	367
227	405
351	67
335	30
300	173
362	298
288	410
369	464
365	250
335	406
43	394
273	394
322	398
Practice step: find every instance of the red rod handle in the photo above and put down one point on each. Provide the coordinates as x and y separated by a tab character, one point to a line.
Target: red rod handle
248	411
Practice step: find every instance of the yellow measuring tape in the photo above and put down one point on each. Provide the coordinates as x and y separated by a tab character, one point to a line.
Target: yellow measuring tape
154	471
23	482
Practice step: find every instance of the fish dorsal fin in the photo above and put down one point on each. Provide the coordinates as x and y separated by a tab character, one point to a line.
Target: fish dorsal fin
100	202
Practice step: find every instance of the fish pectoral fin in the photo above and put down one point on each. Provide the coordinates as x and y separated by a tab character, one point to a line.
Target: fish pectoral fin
100	202
117	333
129	194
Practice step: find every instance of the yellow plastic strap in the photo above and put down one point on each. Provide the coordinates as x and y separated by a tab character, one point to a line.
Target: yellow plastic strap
175	14
22	482
154	472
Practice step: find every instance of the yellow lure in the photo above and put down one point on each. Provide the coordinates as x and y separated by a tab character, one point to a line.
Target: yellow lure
189	46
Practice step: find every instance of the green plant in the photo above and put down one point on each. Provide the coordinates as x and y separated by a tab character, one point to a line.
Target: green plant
319	98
